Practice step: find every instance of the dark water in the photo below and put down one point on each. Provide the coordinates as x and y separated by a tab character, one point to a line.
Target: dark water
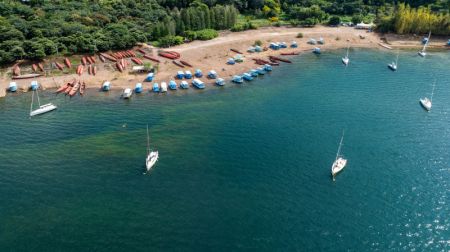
241	167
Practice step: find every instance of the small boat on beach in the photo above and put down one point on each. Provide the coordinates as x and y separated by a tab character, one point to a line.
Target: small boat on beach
138	88
74	89
312	41
345	59
283	45
231	61
177	63
180	75
289	53
321	41
237	79
63	88
12	87
267	67
198	73
393	65
254	73
184	85
185	63
339	162
163	87
274	46
26	76
294	44
152	156
126	94
155	87
34	85
316	50
423	52
236	51
172	85
427	103
261	70
220	82
67	62
212	74
149	77
42	108
188	75
247	77
198	83
82	88
106	86
152	58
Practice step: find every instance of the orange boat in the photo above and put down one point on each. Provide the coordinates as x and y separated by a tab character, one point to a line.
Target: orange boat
137	61
82	88
69	88
80	69
67	62
107	56
94	70
89	60
151	58
34	67
75	88
90	69
185	63
141	51
119	66
102	59
63	88
92	59
41	67
59	66
83	61
16	70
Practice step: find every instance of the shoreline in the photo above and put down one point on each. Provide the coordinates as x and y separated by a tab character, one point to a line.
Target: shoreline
213	54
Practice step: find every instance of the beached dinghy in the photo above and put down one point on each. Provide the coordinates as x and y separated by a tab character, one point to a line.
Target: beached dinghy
427	103
423	52
339	163
198	83
188	75
220	82
163	87
261	70
237	79
127	92
138	88
316	50
267	67
155	87
152	156
106	86
34	85
180	75
42	108
172	85
12	87
254	73
247	77
184	85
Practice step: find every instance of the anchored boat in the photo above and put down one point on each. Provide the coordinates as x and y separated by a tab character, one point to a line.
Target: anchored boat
184	85
237	79
42	108
423	52
198	84
393	65
172	85
220	82
152	156
427	103
339	163
127	92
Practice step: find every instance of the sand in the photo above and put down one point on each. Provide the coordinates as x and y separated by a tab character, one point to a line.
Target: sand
213	54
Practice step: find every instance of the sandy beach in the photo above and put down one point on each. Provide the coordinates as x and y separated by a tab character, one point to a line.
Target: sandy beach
213	54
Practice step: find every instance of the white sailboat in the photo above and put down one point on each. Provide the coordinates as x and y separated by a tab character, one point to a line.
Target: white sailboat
346	60
339	163
42	108
393	65
427	103
152	156
423	52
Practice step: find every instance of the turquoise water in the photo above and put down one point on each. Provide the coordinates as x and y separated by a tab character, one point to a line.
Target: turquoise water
241	167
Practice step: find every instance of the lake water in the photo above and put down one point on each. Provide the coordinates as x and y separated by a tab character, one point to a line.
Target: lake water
244	167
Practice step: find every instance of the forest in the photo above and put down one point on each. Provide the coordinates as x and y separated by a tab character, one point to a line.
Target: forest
34	29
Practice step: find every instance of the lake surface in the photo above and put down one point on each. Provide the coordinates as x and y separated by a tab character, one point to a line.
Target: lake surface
244	167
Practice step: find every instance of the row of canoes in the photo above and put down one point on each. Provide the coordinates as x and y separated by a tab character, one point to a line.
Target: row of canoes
72	88
92	69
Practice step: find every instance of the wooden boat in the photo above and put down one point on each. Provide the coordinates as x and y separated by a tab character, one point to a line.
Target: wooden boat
63	88
279	59
137	61
177	63
59	66
119	66
67	62
290	53
89	60
34	67
185	63
94	70
82	88
236	51
90	69
141	51
41	67
169	54
16	70
75	88
131	53
107	56
92	59
80	69
69	88
26	76
102	58
152	58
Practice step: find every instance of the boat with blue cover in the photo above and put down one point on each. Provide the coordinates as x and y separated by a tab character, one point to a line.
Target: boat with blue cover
198	83
180	75
267	67
312	41
237	79
212	74
316	50
231	61
294	44
138	88
321	41
251	49
12	87
283	45
274	46
254	73
261	71
34	85
258	49
172	85
155	87
106	86
184	85
188	75
220	82
149	77
198	73
247	77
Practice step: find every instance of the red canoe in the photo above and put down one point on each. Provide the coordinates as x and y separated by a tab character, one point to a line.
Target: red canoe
119	66
59	66
94	70
34	67
67	62
82	88
236	51
75	88
41	67
62	88
185	63
152	58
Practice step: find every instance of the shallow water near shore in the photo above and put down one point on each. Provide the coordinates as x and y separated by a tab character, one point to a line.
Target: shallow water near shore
243	167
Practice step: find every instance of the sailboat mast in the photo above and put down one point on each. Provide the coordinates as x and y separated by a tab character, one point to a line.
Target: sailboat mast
426	43
396	61
148	141
432	92
347	50
340	145
37	95
32	100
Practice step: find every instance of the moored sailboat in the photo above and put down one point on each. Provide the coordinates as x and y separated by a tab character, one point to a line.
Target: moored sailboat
423	52
345	59
393	65
42	108
152	156
427	103
340	162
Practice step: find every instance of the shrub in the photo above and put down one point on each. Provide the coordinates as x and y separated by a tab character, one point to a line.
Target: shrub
258	43
207	34
294	22
299	35
277	24
334	20
170	41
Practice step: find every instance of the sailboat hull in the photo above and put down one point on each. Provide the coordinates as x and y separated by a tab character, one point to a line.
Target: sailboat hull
43	109
345	60
338	165
151	160
422	53
426	104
